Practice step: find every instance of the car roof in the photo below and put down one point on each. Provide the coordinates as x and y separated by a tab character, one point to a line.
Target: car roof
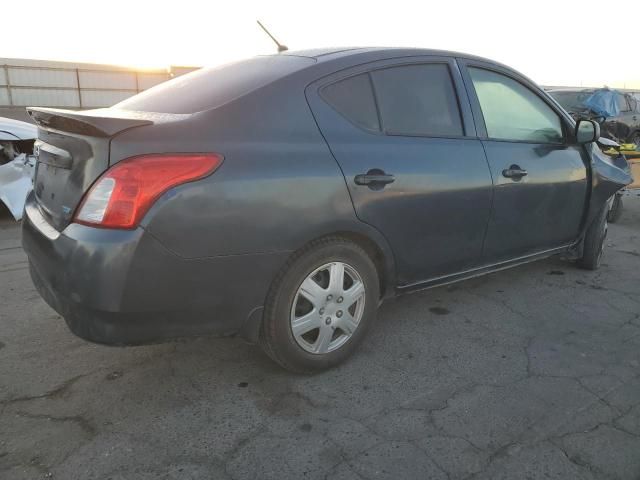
343	55
319	52
330	53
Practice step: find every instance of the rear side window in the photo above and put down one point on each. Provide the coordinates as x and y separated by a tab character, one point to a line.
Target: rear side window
622	103
513	112
353	98
212	87
418	100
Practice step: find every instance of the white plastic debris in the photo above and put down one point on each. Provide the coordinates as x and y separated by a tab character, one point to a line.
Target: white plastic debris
16	181
11	129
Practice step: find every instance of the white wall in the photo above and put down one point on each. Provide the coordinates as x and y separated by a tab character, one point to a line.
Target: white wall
25	82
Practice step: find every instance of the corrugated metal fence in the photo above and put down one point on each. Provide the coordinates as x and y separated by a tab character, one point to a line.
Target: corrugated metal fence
66	85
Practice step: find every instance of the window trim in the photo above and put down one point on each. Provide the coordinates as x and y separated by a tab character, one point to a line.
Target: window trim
473	96
447	61
376	105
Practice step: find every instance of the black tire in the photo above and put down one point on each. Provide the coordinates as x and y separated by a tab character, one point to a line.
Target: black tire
615	212
593	247
277	339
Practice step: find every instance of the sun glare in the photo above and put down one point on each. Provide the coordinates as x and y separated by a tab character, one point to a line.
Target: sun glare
156	34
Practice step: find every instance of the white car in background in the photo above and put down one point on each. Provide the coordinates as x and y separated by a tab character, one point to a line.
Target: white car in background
17	163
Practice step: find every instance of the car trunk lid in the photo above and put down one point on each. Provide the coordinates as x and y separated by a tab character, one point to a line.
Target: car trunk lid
73	151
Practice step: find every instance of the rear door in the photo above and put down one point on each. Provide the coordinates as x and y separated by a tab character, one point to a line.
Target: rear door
402	133
540	175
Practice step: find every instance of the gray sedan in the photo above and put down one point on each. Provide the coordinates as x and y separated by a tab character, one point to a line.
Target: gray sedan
284	197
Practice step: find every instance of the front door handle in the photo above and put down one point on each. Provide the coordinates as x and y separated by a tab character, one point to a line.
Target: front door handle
374	179
515	172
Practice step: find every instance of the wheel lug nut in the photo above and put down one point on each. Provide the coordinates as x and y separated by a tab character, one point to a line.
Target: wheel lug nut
339	313
321	311
340	299
329	297
327	320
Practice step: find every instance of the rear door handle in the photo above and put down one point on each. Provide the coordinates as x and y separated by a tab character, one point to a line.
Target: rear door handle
366	179
374	178
515	172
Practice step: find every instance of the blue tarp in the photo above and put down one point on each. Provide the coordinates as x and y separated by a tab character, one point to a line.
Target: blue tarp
604	102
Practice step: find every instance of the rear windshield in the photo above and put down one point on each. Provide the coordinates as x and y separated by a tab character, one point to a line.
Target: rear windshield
214	86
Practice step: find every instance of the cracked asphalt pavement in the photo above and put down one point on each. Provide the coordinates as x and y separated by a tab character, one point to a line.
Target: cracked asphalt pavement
528	373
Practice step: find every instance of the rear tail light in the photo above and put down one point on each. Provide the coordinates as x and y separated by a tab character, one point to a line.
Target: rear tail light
125	192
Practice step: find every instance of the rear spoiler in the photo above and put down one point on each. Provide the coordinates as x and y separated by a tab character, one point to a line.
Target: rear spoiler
103	122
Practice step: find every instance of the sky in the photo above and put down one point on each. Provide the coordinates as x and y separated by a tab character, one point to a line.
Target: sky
561	42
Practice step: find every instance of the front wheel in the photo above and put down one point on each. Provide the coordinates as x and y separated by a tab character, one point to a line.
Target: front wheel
615	211
594	241
320	306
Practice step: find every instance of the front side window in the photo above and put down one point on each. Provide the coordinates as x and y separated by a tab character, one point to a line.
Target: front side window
417	100
513	112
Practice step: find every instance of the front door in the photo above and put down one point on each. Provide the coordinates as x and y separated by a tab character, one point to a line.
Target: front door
540	177
403	135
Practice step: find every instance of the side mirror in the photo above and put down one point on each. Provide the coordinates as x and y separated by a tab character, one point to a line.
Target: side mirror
587	131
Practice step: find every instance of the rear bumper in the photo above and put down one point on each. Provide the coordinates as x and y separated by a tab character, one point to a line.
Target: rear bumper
123	287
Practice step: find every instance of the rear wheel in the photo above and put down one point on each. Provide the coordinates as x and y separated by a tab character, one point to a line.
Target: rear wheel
321	306
594	241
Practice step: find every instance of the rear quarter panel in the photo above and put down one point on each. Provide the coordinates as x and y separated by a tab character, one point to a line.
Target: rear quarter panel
278	187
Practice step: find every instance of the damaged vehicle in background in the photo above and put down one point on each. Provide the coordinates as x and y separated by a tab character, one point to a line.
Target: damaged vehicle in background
619	112
619	117
284	197
16	163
